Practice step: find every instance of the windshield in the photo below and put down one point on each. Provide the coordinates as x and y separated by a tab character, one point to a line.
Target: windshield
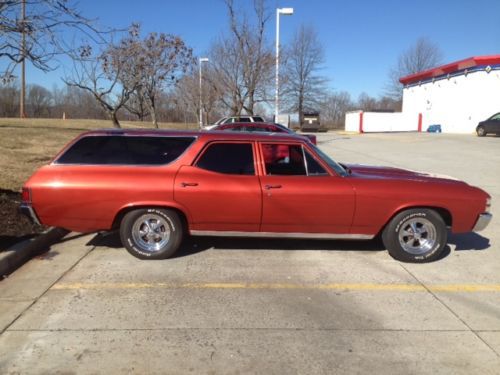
332	163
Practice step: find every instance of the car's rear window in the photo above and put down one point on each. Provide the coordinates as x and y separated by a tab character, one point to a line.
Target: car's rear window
125	150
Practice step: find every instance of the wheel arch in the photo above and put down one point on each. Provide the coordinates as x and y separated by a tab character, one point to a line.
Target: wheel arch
132	207
443	212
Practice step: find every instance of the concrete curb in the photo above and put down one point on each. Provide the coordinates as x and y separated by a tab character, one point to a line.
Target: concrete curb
20	253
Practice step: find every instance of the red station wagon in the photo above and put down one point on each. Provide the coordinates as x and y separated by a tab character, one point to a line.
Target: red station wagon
158	186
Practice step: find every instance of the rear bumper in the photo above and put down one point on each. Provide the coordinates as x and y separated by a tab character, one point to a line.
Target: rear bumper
482	222
29	212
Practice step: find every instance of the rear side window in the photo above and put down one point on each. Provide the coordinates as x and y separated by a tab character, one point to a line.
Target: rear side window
125	150
228	158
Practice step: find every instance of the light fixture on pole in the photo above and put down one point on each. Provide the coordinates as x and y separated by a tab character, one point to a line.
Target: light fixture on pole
285	12
201	60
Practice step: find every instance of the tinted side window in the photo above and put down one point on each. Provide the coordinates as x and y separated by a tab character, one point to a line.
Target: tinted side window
125	150
258	119
228	158
244	119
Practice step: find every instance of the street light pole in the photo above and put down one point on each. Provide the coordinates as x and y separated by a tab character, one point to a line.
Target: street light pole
285	12
22	100
201	60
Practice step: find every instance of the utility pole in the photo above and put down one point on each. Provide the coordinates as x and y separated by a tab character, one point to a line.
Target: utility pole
22	113
200	61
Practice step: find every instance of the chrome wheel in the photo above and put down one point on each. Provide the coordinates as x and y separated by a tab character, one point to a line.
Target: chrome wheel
417	236
151	232
481	132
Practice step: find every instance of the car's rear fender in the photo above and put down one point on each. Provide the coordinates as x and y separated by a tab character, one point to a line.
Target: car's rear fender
140	205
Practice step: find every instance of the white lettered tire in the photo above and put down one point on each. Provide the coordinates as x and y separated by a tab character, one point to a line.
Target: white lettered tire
151	233
417	235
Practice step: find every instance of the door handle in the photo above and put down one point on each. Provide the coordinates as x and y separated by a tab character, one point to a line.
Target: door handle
184	184
268	187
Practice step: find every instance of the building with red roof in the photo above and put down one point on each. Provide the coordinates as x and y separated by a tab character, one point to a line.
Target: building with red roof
455	96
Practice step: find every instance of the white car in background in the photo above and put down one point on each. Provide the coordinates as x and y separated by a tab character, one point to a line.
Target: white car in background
232	119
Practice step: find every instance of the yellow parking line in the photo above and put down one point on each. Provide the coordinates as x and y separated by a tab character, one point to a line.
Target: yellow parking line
450	288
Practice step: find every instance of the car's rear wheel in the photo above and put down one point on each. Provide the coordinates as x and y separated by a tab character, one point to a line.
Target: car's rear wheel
151	233
416	235
481	131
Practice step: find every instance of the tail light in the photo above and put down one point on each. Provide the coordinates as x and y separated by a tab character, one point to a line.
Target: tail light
26	195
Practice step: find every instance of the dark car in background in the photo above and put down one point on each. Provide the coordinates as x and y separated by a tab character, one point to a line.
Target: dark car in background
262	127
489	126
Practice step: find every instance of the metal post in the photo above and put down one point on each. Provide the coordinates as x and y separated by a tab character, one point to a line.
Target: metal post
200	61
285	12
276	95
201	112
22	113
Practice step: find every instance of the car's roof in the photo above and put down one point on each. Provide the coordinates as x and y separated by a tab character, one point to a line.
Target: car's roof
207	135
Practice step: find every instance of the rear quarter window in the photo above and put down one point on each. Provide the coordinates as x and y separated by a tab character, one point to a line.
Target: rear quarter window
125	150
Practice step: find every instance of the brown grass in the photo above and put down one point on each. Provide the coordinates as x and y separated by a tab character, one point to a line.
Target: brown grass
27	144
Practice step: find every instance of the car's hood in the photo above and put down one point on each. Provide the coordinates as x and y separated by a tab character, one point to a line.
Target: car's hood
368	171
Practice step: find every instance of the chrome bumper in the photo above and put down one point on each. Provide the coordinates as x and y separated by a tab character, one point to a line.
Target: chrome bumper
482	222
28	211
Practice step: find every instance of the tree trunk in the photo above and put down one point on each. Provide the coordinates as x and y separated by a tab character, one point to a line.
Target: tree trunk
301	111
153	117
114	118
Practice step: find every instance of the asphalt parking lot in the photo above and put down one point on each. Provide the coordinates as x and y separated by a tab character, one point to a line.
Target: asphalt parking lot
227	306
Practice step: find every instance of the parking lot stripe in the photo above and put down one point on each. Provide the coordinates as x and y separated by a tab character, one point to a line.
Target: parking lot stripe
449	288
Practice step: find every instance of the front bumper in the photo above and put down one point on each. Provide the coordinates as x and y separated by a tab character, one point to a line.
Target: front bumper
28	211
482	222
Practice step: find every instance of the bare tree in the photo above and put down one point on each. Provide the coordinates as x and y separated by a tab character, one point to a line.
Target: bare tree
137	106
367	103
38	31
422	55
112	76
187	94
47	26
9	99
39	100
242	61
334	108
304	87
162	59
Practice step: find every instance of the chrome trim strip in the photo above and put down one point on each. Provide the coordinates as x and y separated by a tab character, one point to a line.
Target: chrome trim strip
482	222
330	236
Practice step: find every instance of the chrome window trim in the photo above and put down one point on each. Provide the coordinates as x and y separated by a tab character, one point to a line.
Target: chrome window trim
331	236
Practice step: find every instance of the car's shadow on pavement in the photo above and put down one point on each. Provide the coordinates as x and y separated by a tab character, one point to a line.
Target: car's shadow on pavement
193	245
196	244
468	241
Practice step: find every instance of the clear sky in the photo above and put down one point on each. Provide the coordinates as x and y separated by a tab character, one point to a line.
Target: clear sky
362	39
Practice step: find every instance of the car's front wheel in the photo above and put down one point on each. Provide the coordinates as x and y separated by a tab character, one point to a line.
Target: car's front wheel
481	131
416	235
151	233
